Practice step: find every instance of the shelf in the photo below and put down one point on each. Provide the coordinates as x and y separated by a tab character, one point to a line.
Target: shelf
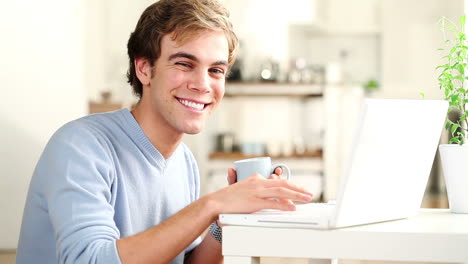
219	162
95	107
273	89
238	156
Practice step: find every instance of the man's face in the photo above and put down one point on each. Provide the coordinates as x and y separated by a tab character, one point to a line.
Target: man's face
188	81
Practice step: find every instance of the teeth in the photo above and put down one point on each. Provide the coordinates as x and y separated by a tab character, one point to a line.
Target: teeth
192	104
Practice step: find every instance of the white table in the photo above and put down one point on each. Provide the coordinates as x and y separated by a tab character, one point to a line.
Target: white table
435	235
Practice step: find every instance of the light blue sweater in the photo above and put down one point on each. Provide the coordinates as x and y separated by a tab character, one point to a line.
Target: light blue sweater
100	179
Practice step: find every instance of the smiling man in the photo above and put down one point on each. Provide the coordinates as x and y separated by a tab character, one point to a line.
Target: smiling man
183	87
121	187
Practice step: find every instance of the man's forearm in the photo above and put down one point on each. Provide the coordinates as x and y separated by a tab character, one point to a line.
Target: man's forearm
162	243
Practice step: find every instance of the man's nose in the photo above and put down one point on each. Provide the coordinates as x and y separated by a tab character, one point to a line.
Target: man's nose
200	82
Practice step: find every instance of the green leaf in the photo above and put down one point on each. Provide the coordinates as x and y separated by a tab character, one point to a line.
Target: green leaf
462	21
445	66
463	54
461	69
447	75
447	125
454	128
461	137
462	37
422	95
453	50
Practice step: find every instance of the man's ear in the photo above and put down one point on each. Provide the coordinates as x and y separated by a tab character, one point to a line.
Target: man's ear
143	70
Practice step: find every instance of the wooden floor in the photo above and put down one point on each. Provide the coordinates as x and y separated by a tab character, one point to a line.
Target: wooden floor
7	257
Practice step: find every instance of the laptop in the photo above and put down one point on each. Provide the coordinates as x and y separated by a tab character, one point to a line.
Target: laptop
392	152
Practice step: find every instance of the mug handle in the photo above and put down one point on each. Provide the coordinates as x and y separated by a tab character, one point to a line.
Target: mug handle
284	167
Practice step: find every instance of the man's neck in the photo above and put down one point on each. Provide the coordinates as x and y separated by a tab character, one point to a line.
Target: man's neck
158	132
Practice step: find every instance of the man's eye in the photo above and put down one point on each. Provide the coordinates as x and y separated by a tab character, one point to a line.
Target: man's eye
183	64
217	71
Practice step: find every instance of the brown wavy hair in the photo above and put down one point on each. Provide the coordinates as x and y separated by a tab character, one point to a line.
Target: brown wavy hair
185	19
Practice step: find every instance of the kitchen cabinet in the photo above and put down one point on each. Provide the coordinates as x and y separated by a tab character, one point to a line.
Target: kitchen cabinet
352	17
105	104
306	172
344	18
236	89
281	115
95	107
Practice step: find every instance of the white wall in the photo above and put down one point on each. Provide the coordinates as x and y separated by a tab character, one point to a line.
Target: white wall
410	39
108	27
42	87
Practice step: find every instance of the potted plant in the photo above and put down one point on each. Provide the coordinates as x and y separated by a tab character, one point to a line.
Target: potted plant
453	81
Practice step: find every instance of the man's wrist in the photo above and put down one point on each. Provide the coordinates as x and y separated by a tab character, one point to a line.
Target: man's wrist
212	206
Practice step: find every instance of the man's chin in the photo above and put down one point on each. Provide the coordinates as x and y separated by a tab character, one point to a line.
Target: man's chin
193	130
192	127
192	133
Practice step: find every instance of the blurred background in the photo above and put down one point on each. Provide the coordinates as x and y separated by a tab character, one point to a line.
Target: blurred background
303	68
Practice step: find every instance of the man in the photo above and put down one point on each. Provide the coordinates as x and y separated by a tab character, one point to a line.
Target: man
121	187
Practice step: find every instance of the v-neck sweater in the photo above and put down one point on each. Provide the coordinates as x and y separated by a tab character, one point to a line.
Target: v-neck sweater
100	179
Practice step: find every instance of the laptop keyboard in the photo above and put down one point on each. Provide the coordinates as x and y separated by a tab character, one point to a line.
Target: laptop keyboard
307	208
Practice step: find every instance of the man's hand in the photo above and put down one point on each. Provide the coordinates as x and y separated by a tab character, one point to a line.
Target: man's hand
257	193
232	176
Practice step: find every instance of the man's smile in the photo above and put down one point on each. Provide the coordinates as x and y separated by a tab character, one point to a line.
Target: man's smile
196	105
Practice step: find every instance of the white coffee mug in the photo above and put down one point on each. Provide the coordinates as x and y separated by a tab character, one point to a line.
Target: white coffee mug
247	167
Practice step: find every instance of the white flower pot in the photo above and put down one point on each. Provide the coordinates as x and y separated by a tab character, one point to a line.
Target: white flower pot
455	165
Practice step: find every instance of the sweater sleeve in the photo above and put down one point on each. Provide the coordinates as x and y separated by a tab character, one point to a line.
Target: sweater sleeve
79	179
